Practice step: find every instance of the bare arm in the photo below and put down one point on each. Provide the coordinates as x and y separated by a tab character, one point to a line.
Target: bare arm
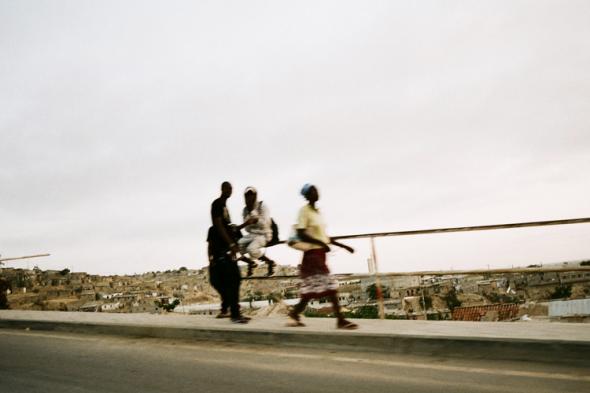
218	223
249	221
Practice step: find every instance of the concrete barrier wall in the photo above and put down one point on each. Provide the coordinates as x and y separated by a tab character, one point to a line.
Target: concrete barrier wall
569	308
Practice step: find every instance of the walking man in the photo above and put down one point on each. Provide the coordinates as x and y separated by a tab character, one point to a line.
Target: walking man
224	273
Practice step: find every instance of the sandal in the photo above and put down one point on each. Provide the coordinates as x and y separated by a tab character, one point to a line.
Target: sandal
295	321
271	268
347	325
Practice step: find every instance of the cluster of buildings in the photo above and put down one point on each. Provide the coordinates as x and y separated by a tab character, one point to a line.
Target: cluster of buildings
472	297
481	297
63	290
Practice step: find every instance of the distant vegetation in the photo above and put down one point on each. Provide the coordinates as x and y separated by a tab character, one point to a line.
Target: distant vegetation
562	292
168	306
372	291
427	302
452	300
502	298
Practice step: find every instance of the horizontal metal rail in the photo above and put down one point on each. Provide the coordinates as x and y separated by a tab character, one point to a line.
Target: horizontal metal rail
437	273
476	271
26	257
450	230
460	229
468	229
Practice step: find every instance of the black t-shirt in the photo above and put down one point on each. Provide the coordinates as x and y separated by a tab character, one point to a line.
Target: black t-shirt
218	209
218	244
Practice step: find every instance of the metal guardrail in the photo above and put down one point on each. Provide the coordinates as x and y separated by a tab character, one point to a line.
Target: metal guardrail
435	273
450	230
469	229
477	271
25	257
378	275
568	221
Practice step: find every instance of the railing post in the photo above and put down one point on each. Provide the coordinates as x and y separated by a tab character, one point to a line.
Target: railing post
378	291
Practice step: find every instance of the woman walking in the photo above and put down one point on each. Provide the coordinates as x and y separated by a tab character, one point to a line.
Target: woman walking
316	280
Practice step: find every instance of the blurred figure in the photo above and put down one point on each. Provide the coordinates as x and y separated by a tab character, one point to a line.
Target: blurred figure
259	232
315	275
224	273
4	286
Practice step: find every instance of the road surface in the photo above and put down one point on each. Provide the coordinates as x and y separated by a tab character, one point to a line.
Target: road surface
60	362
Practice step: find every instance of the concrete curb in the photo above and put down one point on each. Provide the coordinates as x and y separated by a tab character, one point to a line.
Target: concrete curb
542	351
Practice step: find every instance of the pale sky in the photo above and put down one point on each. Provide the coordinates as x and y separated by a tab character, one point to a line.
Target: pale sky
119	121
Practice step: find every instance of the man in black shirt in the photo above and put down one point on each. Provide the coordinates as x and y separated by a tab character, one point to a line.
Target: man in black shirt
224	273
223	235
214	273
4	286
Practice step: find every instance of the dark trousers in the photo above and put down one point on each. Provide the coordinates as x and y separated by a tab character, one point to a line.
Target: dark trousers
225	277
3	299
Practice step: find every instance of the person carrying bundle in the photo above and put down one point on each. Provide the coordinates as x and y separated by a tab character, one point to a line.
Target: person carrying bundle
317	282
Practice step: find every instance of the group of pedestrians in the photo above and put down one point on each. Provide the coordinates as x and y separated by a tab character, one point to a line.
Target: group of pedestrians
227	246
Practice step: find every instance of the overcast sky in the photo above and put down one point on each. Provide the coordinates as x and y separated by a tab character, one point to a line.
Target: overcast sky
119	120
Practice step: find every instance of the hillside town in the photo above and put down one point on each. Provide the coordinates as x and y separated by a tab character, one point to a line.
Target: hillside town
482	297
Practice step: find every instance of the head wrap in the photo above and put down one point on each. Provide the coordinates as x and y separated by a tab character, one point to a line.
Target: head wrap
250	189
305	189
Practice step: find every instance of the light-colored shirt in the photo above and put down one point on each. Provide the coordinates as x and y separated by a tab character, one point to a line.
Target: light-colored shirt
263	226
312	222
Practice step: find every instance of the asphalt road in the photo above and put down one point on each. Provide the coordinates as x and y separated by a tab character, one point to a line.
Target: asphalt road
58	362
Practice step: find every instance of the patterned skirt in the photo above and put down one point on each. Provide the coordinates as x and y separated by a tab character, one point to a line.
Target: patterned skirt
315	276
